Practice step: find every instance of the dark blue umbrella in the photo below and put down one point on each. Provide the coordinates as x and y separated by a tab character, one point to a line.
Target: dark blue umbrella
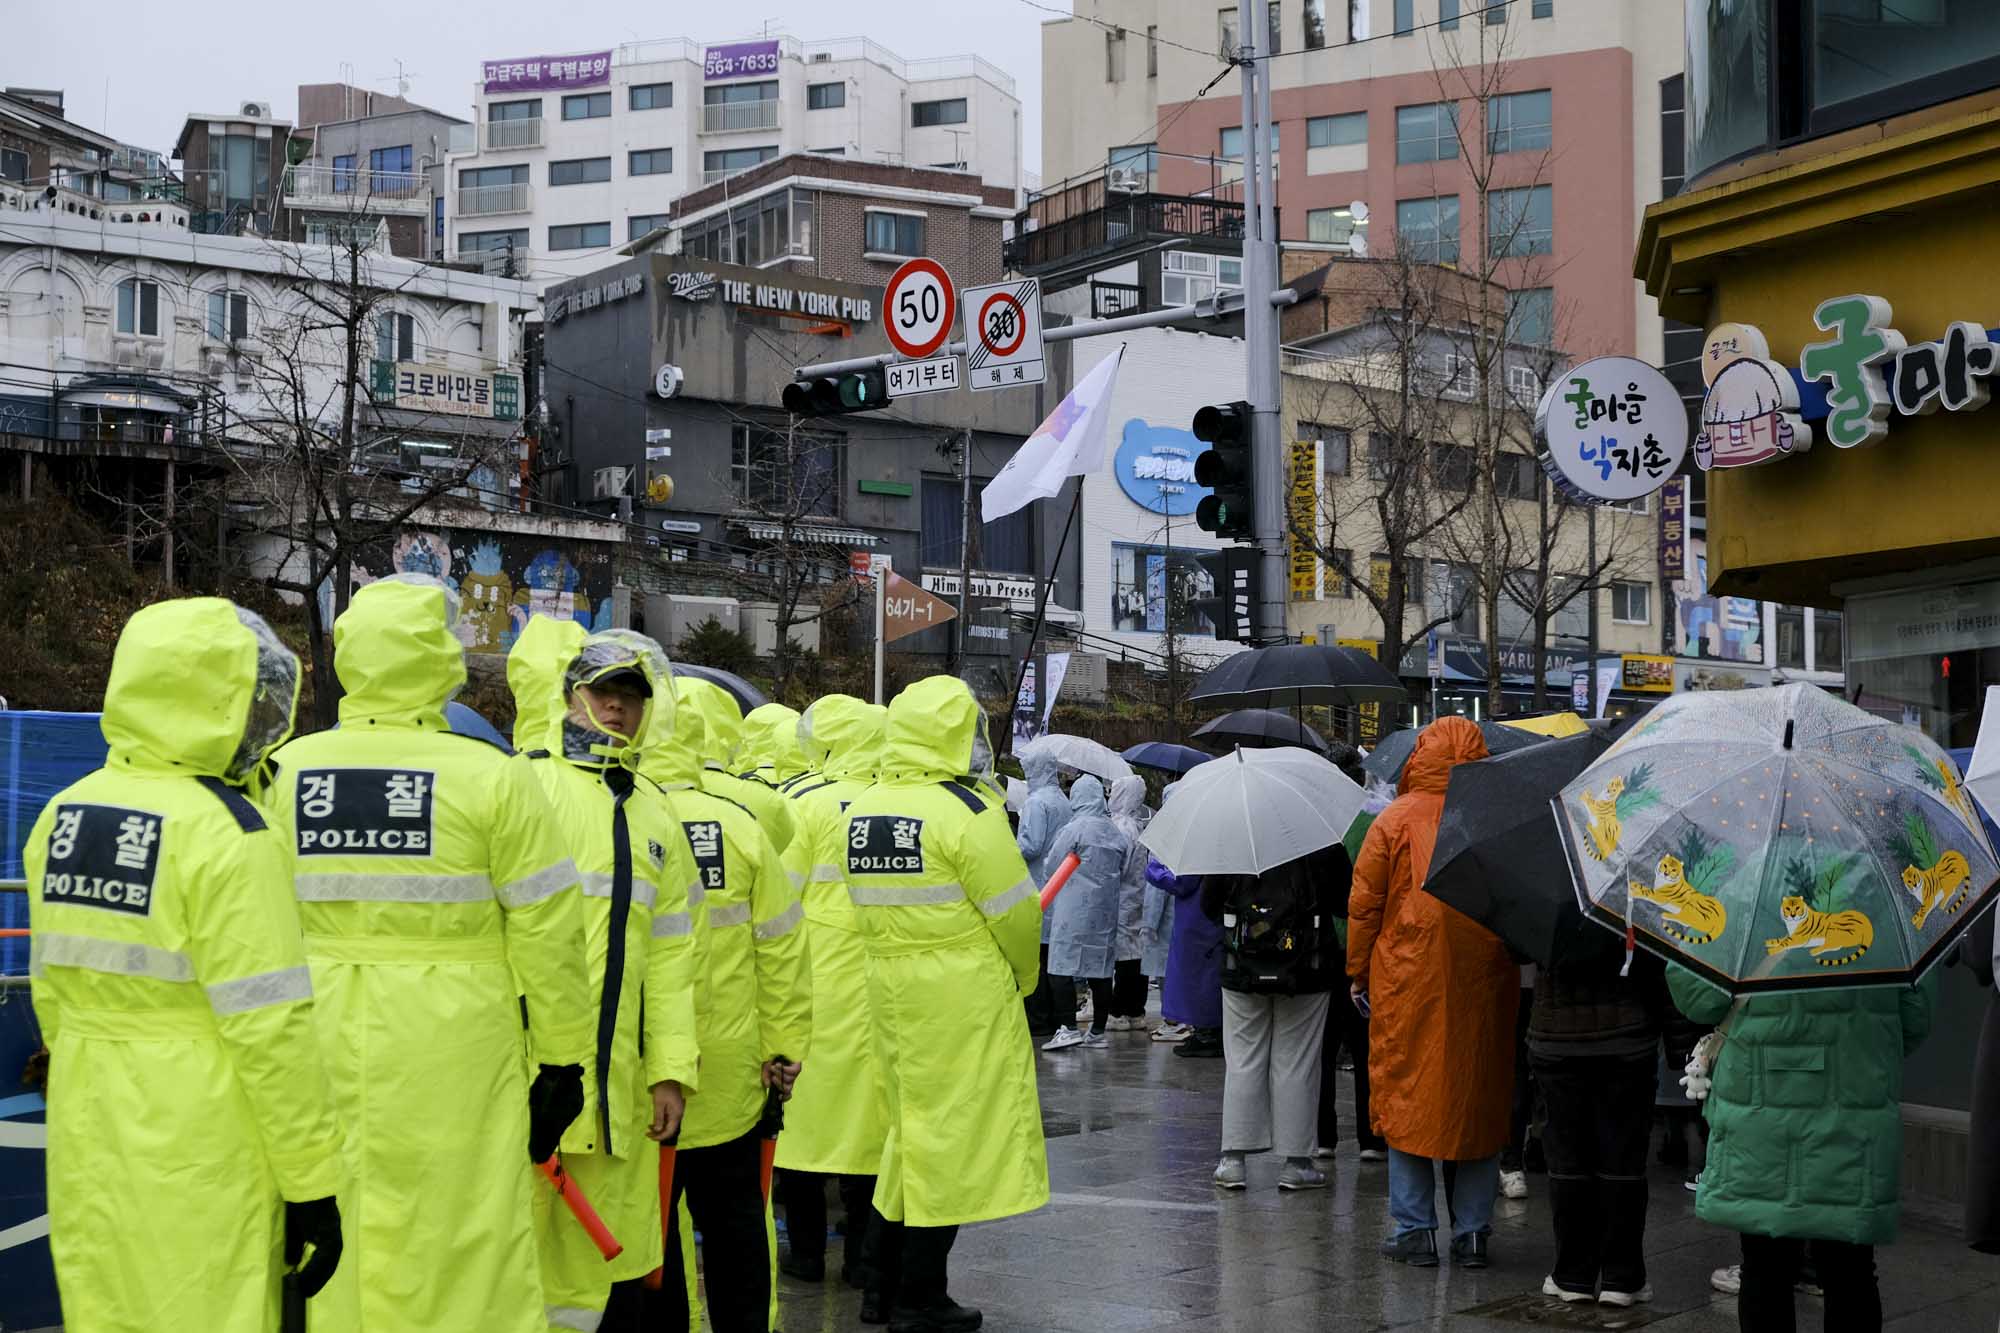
1165	756
468	722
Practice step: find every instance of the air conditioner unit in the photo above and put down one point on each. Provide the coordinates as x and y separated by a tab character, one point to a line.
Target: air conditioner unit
760	622
259	110
608	483
669	616
1126	181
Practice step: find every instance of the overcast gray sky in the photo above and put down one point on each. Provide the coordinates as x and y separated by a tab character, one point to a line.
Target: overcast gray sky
147	64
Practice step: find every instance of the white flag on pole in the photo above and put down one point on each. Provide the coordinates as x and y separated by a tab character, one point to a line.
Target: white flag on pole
1069	444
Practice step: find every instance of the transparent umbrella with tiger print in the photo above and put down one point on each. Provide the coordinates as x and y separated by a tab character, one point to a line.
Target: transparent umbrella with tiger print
1778	839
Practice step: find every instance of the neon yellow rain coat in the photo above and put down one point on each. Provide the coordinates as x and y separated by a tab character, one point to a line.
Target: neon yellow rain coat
952	923
837	1119
759	980
187	1097
437	896
771	753
721	749
629	853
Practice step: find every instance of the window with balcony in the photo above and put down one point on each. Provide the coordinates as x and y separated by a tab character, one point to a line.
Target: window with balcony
650	162
1337	131
650	96
1426	133
1518	123
728	107
1520	222
343	173
228	316
1632	603
139	307
826	96
514	124
1531	316
580	236
1429	227
580	171
586	106
948	111
639	224
728	161
485	190
395	338
513	239
894	233
527	109
398	159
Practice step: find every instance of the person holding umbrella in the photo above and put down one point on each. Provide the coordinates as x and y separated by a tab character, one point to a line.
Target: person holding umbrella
1191	985
1422	972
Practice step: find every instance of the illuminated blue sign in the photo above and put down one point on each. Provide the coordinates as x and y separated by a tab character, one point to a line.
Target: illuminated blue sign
1155	466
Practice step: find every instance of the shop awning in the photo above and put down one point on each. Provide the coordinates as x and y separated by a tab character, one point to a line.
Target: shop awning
806	532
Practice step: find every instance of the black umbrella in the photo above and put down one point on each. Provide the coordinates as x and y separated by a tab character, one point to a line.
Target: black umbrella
1259	728
1385	762
1498	857
747	696
1292	674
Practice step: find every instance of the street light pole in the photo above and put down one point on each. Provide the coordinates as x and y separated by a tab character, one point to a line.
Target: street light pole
1261	328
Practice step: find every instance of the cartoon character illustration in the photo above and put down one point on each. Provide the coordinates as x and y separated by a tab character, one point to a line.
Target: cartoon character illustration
423	553
1941	777
1937	877
486	619
1623	797
1750	416
1686	913
1822	933
548	588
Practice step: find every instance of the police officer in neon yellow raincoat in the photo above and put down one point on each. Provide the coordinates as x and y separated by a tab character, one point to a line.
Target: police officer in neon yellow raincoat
189	1116
759	1009
437	897
721	750
837	1119
770	753
580	702
951	923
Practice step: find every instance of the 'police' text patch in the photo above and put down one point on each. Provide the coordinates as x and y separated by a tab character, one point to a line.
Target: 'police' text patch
885	845
103	856
705	841
365	811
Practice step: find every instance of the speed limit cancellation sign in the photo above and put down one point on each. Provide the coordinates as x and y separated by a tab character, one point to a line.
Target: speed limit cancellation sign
919	308
1003	334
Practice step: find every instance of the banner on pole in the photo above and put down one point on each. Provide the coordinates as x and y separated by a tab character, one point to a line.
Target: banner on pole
1058	664
1027	721
1302	515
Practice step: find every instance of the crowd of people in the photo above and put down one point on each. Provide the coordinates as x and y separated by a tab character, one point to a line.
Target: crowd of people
308	1000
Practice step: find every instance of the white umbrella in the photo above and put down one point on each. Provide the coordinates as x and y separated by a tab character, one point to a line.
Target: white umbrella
1982	775
1251	811
1080	753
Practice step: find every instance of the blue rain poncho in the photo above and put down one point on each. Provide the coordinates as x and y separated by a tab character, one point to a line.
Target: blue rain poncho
1043	814
1083	923
1129	813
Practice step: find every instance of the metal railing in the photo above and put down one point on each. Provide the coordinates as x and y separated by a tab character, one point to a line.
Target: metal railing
479	201
347	183
730	117
1083	219
497	135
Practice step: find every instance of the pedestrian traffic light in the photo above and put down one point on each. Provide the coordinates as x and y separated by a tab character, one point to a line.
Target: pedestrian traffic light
1225	593
1224	467
837	395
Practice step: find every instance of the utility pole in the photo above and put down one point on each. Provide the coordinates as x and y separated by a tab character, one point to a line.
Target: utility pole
964	550
1261	382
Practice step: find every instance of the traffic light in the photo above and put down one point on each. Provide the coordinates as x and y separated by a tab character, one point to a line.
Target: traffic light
837	395
1224	467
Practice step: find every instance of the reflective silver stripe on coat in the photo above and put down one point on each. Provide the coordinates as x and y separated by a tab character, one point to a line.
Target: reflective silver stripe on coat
596	884
667	925
780	925
697	895
531	889
920	896
735	914
798	880
570	1316
261	991
360	888
826	874
114	956
998	904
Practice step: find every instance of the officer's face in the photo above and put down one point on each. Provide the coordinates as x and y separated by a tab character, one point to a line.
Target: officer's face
616	708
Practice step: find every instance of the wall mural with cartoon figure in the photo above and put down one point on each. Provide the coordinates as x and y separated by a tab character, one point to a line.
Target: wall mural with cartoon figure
502	579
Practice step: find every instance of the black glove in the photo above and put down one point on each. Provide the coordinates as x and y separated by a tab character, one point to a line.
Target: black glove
554	1099
316	1222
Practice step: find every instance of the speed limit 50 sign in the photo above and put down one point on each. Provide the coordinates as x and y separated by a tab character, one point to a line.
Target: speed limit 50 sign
919	308
1003	334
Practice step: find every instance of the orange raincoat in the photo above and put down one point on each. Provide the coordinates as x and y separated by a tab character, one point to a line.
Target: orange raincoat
1443	989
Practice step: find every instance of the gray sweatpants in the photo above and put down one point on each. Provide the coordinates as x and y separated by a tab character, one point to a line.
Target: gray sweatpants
1271	1071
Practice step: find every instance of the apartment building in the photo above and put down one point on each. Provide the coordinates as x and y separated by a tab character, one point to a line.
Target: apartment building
369	164
573	155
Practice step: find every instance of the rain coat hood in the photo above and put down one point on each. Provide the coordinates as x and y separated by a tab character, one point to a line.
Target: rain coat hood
1442	746
1086	796
552	657
397	656
535	669
721	720
1128	802
842	737
936	731
198	686
1041	770
771	741
674	759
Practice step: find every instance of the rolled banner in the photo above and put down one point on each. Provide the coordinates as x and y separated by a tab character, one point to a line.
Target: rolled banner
1060	878
579	1207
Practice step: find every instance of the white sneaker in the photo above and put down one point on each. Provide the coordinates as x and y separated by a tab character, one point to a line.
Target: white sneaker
1229	1171
1549	1288
1119	1024
1172	1032
1064	1039
1095	1041
1728	1281
1374	1155
1514	1184
1610	1297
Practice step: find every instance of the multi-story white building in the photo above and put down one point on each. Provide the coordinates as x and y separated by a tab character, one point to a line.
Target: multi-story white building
571	155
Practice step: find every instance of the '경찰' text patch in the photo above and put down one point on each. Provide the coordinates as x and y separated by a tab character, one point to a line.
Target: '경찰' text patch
365	811
705	841
103	856
885	845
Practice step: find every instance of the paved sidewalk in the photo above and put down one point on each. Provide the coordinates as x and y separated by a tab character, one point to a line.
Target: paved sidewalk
1136	1238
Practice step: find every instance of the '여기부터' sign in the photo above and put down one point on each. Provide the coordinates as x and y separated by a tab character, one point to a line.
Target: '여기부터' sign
1613	430
542	73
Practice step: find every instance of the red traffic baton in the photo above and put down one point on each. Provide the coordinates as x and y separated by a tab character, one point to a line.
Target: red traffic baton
667	1235
770	1125
1060	878
579	1206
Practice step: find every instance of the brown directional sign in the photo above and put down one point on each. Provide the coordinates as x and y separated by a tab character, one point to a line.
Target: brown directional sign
907	608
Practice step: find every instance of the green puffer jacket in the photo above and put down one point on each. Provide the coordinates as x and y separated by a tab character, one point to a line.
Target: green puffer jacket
1805	1116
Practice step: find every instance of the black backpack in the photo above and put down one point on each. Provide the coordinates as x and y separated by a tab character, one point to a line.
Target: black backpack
1277	929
